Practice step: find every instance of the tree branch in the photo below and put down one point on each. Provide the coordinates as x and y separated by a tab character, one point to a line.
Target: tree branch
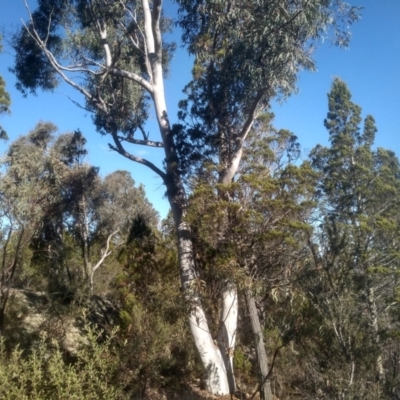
103	35
59	68
120	149
251	117
136	42
237	155
260	385
133	77
141	142
106	253
145	136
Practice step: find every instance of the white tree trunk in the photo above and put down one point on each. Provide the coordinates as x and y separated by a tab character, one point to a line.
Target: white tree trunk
375	329
216	376
211	357
227	332
210	354
265	385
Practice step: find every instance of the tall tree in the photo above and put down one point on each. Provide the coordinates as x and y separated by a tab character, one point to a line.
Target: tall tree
25	198
87	212
246	52
356	244
122	203
257	231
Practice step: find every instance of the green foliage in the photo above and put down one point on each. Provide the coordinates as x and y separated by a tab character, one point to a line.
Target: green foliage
57	214
153	315
261	216
353	270
246	52
70	28
263	44
45	374
317	242
243	366
122	203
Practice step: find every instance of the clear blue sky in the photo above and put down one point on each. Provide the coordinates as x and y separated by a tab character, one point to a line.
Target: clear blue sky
371	68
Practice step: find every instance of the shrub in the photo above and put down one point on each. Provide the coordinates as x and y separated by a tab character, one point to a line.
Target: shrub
45	373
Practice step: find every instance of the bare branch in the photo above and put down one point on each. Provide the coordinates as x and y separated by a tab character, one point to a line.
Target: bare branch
141	142
48	28
237	155
102	30
121	150
135	41
106	46
145	135
148	32
106	253
60	68
133	77
262	383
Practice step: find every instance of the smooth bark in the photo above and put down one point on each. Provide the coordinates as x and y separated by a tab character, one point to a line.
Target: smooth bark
216	374
210	354
265	388
375	329
227	332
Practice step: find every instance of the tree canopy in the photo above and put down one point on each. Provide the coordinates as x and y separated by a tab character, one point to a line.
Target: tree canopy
245	54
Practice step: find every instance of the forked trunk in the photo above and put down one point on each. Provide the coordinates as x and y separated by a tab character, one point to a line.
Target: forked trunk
227	331
210	354
211	357
217	360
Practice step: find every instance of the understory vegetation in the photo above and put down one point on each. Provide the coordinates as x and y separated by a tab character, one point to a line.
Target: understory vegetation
315	241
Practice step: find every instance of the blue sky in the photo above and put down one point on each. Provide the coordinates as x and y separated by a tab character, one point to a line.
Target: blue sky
370	67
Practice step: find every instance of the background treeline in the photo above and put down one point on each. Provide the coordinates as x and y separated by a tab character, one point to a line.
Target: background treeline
314	241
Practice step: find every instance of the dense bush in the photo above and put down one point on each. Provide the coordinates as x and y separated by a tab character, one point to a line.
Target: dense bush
46	373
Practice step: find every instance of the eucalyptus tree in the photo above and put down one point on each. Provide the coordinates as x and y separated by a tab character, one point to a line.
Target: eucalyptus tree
356	247
118	206
113	54
91	210
53	205
25	198
256	238
122	203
